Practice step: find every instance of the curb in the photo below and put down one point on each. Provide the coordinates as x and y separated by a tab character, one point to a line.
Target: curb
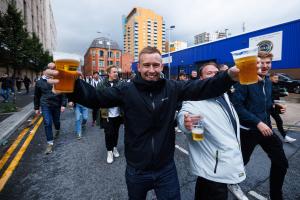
12	123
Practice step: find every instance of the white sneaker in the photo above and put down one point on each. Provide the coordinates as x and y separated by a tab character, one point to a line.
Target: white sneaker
110	157
236	190
289	139
115	152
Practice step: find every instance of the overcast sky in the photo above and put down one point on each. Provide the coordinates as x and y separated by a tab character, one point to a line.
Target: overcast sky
77	22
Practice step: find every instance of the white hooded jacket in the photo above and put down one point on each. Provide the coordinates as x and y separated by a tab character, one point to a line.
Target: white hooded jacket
218	157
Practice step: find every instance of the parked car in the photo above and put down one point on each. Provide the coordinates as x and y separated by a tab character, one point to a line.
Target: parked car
291	84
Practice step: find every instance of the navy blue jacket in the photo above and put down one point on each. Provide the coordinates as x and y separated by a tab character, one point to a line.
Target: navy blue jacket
253	103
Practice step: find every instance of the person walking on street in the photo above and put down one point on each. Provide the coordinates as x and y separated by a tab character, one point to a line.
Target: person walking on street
26	82
19	81
278	92
111	118
51	106
221	134
95	83
81	117
194	75
5	84
149	104
253	104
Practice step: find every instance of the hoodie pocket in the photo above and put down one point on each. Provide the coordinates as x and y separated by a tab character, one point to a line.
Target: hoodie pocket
217	161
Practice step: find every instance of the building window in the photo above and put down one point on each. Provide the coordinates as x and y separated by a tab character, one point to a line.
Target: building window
101	63
101	53
117	55
117	63
110	62
93	63
93	53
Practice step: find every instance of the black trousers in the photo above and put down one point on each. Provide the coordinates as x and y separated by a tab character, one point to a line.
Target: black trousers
95	114
210	190
111	130
279	122
272	145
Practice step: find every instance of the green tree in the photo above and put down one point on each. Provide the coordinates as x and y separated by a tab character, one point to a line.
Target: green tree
12	37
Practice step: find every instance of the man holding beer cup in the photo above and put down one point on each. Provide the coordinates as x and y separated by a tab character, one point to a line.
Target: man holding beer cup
253	104
217	158
149	103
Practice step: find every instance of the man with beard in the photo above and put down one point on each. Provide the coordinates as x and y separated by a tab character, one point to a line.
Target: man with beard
149	104
253	104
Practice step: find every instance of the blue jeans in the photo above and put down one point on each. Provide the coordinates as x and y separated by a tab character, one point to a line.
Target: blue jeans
80	111
5	94
164	181
51	114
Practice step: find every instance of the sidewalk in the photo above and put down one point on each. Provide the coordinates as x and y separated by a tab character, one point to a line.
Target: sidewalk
9	122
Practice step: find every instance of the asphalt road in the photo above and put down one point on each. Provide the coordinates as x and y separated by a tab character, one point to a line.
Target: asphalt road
77	169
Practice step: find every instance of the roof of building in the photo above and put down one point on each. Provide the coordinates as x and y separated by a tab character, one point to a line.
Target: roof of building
105	43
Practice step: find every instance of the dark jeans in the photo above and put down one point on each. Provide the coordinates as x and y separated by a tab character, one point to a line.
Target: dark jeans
272	145
210	190
279	123
27	88
95	114
164	181
111	130
51	114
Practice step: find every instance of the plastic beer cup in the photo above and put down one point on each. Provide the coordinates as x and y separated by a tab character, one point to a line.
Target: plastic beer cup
197	127
67	65
246	61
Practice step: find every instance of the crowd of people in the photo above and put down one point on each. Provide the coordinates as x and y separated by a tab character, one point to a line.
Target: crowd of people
8	85
236	119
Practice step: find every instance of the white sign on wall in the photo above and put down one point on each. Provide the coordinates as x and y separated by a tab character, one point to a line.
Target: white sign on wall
271	42
165	60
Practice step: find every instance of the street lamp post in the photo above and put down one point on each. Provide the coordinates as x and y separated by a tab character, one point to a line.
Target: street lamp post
169	62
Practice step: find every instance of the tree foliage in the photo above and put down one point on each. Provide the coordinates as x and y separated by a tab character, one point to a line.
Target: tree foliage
18	48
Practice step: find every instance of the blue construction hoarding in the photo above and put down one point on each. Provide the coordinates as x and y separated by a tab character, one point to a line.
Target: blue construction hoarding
282	40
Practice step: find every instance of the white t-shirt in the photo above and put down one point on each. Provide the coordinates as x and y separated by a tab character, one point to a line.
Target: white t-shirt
114	111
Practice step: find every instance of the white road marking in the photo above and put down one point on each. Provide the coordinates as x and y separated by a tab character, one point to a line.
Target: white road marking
182	149
257	196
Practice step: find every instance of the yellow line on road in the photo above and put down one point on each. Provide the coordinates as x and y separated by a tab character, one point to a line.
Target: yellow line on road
15	144
9	171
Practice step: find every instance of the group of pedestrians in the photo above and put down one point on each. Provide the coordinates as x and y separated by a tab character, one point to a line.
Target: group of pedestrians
8	85
235	122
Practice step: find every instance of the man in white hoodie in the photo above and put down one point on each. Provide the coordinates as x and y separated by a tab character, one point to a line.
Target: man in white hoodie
216	160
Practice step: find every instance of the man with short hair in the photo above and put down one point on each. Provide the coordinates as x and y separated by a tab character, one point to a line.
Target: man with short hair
149	104
194	75
278	92
111	118
95	83
221	142
182	76
51	106
253	104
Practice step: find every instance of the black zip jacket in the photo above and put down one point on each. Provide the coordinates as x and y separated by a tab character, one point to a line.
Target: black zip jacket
149	109
43	96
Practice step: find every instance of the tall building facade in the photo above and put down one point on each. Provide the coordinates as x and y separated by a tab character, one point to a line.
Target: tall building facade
38	17
177	45
141	28
101	54
208	37
202	38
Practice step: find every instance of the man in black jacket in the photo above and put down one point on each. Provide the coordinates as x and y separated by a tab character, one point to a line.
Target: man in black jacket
149	104
51	106
278	92
111	118
253	104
